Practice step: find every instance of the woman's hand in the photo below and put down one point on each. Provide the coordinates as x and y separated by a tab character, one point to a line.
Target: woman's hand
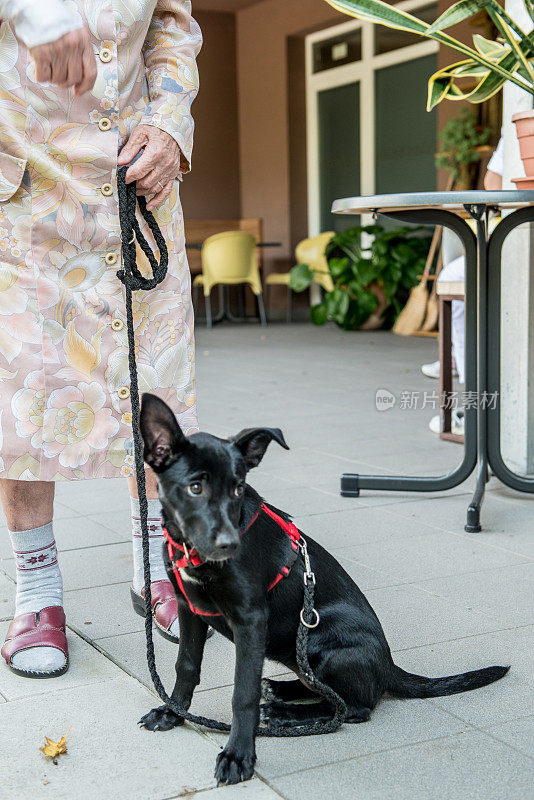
157	168
69	61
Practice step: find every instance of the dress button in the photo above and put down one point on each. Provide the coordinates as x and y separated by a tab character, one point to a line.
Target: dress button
106	189
124	392
105	55
104	124
117	324
111	258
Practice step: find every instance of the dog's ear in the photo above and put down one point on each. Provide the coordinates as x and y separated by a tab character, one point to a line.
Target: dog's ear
162	436
253	442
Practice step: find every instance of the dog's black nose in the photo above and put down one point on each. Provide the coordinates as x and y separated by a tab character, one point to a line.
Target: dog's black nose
227	544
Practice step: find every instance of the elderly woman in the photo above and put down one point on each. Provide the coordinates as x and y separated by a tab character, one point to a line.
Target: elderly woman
81	81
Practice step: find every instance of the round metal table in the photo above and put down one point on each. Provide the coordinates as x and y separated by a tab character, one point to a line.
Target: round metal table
482	448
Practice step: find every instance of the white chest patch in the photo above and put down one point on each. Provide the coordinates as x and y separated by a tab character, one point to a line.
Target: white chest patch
187	578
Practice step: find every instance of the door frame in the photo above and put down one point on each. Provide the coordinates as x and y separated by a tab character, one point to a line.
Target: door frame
362	71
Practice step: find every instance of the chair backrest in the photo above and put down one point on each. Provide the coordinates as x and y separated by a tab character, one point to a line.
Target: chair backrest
198	230
311	252
230	258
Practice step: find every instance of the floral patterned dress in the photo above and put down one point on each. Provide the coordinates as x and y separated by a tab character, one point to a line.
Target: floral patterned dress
65	410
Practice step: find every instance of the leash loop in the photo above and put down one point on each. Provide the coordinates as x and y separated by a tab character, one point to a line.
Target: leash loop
313	624
134	280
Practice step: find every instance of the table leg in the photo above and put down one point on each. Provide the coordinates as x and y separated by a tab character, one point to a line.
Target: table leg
351	484
478	213
497	464
445	361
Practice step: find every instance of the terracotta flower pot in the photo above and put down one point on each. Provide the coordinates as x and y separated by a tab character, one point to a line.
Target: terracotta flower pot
522	184
524	123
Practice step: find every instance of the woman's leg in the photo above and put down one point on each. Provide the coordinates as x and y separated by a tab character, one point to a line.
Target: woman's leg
28	508
151	485
155	531
27	504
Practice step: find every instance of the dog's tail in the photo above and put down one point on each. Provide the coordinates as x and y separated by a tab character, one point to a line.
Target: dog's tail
404	684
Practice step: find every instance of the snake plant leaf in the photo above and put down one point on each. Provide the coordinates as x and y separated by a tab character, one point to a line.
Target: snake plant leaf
493	82
517	46
485	89
457	13
488	48
529	5
441	84
382	13
438	89
469	70
488	85
465	69
455	93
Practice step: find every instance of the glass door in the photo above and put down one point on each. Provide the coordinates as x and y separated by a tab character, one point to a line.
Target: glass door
339	151
405	133
367	124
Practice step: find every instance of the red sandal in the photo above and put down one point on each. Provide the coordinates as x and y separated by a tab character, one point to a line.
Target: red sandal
45	628
164	607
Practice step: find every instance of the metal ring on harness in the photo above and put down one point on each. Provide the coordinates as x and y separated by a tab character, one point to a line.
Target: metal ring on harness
310	624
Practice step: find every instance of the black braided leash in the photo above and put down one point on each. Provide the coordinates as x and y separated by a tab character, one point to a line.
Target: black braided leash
133	280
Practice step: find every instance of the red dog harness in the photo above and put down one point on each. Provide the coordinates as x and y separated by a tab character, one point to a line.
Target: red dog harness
190	558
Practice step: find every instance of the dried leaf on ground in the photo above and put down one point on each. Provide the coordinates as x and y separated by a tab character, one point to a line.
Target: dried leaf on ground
54	749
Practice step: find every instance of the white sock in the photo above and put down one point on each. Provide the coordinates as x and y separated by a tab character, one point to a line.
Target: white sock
39	585
155	541
155	549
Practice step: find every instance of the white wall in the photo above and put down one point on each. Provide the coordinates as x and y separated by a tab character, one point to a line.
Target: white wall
517	336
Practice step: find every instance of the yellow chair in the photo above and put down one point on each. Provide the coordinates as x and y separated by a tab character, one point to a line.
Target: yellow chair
229	259
310	252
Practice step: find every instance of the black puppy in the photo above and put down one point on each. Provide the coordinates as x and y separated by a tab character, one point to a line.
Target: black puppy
241	549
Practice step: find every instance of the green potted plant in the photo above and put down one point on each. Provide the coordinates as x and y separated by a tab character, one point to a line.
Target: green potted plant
373	270
463	143
488	63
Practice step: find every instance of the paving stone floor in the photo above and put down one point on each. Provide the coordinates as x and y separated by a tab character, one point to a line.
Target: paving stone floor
448	601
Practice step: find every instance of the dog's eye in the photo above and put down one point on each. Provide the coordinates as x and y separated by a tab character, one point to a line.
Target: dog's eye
239	489
195	488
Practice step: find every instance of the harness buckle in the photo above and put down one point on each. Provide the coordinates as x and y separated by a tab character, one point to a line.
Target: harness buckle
186	551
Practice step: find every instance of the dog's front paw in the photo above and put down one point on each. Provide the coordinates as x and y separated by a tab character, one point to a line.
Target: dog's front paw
160	719
232	768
